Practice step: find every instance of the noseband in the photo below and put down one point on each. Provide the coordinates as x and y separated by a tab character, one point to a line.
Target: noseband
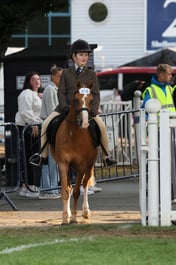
82	109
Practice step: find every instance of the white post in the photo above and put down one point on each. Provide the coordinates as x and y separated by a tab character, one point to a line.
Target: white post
165	169
152	107
142	168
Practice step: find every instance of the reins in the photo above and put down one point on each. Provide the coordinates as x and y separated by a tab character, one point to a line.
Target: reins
78	111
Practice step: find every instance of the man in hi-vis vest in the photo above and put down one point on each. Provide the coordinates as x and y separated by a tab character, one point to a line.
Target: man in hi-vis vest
160	88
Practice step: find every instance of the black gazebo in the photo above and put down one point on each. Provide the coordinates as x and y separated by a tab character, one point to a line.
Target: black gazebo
18	64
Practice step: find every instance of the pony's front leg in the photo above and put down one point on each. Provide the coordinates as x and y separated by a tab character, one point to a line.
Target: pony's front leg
66	197
85	206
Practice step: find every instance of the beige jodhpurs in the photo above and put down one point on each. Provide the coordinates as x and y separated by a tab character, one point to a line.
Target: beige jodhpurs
104	135
43	133
99	121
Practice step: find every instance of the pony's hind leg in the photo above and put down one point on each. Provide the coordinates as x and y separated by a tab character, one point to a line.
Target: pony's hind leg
85	206
76	193
66	216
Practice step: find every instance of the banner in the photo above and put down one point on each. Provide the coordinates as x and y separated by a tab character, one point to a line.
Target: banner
160	24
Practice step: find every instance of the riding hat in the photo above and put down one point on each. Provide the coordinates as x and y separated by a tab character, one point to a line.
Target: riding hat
80	46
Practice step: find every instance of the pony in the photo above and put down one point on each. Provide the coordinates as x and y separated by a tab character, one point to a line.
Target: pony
74	150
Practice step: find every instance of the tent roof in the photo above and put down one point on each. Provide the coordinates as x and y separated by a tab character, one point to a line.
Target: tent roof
42	52
162	56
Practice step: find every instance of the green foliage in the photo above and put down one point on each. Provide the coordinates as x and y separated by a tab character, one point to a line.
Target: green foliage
15	15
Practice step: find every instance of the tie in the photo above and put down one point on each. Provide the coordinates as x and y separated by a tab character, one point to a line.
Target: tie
78	70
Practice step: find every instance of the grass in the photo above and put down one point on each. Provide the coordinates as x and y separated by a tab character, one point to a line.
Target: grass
88	244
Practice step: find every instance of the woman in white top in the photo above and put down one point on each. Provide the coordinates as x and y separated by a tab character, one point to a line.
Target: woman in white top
29	108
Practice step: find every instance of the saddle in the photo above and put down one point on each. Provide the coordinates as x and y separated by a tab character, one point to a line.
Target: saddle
56	122
52	128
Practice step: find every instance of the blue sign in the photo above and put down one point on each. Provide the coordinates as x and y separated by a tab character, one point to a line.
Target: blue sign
160	24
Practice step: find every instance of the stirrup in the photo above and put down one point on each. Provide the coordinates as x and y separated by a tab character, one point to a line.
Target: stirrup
35	159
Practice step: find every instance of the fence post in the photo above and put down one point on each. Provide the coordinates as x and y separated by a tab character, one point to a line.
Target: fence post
165	169
137	106
142	167
152	107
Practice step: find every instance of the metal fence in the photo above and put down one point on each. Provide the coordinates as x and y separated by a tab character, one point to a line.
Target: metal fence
122	128
9	161
122	131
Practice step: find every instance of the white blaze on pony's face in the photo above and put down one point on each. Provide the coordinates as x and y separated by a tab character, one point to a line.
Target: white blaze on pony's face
85	105
85	122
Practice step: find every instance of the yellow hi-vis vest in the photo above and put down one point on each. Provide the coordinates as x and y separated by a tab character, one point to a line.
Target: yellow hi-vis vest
166	100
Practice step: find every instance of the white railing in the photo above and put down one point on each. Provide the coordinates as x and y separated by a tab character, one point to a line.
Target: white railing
155	147
167	123
115	106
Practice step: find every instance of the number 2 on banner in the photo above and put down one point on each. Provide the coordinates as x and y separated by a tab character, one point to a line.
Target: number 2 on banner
171	30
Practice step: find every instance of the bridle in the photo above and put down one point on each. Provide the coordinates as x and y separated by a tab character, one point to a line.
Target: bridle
82	109
83	91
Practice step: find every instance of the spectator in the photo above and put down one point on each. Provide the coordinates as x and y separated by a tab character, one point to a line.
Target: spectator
160	88
49	103
173	84
29	107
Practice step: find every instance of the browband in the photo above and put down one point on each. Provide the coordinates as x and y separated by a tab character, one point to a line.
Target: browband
84	90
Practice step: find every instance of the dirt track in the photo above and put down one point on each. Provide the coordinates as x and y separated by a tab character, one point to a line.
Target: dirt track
117	203
14	219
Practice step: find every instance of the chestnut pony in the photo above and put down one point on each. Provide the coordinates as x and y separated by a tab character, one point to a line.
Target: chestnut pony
74	150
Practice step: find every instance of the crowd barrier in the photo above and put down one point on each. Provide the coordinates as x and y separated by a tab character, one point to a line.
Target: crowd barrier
122	131
10	173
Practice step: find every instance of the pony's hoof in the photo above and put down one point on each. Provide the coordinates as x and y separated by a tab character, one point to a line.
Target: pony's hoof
64	224
86	214
74	221
65	221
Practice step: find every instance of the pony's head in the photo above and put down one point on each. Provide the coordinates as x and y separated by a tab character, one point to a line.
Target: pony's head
83	100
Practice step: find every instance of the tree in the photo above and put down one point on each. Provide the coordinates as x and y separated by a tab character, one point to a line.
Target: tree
16	14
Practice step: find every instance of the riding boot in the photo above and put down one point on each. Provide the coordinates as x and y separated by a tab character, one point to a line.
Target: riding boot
109	162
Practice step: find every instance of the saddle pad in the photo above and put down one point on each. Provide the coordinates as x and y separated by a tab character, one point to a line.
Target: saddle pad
52	129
